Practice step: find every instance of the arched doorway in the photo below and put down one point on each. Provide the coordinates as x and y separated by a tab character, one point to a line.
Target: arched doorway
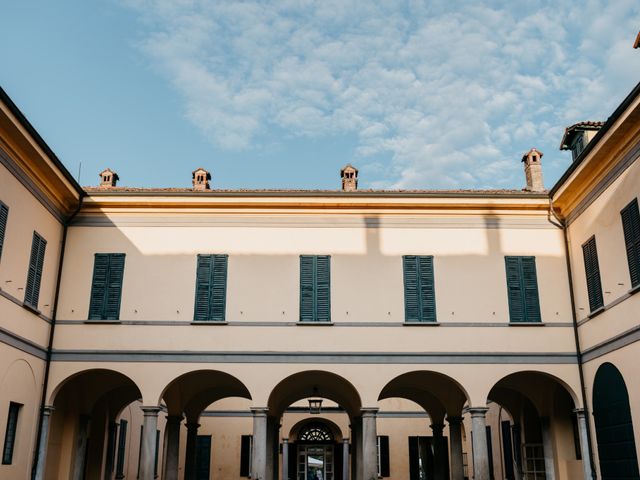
317	453
614	429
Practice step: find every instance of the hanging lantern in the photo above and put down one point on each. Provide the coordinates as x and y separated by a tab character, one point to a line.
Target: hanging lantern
315	404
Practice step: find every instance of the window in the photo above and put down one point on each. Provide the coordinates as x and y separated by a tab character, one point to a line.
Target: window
315	275
4	215
522	289
34	276
382	444
419	291
592	270
106	288
122	443
246	445
11	433
211	288
534	461
631	227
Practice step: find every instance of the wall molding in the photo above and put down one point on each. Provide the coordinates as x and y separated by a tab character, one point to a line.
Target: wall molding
23	344
611	345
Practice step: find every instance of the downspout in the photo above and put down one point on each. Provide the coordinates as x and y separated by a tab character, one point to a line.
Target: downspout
54	317
562	224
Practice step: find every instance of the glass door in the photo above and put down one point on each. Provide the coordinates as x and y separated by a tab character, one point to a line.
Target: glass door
315	462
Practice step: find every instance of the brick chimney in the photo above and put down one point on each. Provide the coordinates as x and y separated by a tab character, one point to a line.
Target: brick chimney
533	170
200	179
349	175
108	178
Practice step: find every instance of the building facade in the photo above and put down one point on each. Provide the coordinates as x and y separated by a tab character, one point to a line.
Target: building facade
321	335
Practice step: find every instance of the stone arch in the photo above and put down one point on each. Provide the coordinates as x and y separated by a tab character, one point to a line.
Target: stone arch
312	383
614	428
296	429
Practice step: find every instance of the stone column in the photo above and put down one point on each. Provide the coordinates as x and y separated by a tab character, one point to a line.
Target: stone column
259	453
81	447
285	459
369	444
148	443
480	450
455	445
345	459
172	447
191	451
439	452
584	443
547	448
112	433
42	446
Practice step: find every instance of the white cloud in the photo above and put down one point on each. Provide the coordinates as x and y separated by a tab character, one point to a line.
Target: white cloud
436	90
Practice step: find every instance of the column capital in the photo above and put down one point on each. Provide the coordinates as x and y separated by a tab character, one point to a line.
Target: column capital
259	411
478	411
345	440
191	425
437	429
150	411
285	441
369	411
174	419
48	410
579	412
454	420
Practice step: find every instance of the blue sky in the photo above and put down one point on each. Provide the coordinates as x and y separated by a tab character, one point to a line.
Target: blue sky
437	94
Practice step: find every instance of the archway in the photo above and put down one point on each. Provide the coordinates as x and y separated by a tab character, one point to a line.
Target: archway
531	428
83	426
438	455
288	402
614	428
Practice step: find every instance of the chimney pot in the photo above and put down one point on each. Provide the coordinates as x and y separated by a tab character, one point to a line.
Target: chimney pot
108	178
533	170
349	175
200	179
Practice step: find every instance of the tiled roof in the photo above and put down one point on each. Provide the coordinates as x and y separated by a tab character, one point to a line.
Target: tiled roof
586	125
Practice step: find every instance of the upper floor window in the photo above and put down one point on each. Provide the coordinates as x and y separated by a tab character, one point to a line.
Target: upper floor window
4	215
522	289
315	288
106	287
10	433
592	270
631	227
34	276
419	289
211	288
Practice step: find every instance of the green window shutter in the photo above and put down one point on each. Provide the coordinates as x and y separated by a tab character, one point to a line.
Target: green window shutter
384	456
106	286
4	215
522	289
592	271
315	288
34	275
211	288
631	227
419	289
245	455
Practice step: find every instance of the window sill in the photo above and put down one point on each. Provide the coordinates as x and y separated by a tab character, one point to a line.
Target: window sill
596	312
106	322
31	308
635	289
421	324
526	324
314	324
209	322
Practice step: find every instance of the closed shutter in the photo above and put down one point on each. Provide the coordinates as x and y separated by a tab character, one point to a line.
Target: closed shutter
592	270
106	286
211	288
419	289
631	227
522	289
34	275
414	459
384	456
245	455
315	288
4	215
122	443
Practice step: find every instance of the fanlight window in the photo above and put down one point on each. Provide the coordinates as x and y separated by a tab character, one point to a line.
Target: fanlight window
315	432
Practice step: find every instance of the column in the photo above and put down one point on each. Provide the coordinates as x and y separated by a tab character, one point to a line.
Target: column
345	459
81	447
547	449
455	443
173	447
369	444
439	453
191	450
112	432
584	443
285	459
480	450
148	443
259	452
42	446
